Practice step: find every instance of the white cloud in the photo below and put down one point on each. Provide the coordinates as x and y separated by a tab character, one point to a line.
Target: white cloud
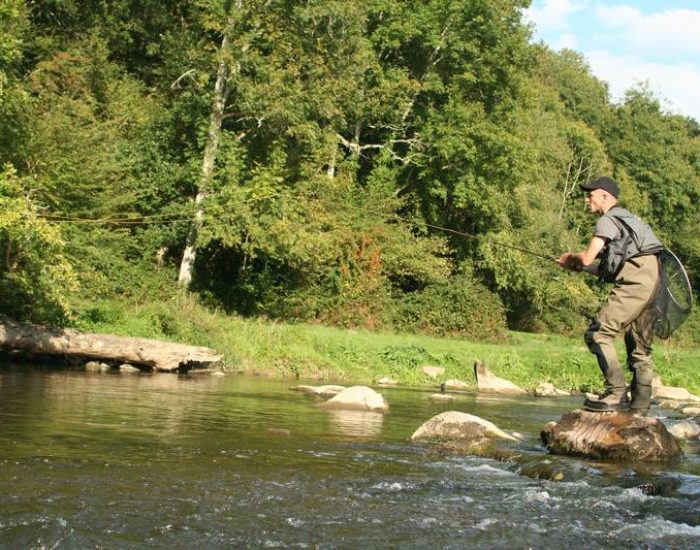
676	85
626	46
663	33
554	14
567	40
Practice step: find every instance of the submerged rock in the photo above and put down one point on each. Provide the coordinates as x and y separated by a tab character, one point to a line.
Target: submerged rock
97	366
441	397
462	432
128	369
486	381
557	469
322	391
614	436
358	398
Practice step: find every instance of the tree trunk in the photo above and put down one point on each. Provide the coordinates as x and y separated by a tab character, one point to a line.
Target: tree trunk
154	354
210	151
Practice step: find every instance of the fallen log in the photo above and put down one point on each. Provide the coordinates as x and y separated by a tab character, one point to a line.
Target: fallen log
145	352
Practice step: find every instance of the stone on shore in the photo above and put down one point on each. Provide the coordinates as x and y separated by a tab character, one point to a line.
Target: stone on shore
357	398
456	385
486	381
462	432
659	391
433	371
614	436
547	389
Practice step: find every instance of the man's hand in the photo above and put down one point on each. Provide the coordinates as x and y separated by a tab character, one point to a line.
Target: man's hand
570	260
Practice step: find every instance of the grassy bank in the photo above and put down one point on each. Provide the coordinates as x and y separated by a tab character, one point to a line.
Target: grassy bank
354	356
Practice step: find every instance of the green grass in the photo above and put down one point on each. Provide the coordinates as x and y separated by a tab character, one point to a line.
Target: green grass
321	353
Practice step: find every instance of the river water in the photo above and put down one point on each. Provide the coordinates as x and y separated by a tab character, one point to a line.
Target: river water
165	461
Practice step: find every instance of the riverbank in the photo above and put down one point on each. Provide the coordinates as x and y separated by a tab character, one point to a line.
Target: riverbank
356	356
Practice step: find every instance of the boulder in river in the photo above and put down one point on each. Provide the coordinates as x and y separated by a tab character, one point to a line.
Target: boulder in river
358	398
613	435
461	431
486	381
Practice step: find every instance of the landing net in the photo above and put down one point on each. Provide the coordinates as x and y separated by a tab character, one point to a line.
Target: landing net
674	298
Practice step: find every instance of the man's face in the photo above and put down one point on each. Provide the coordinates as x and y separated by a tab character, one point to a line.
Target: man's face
597	200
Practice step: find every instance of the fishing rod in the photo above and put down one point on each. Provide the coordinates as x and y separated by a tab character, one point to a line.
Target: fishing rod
143	220
497	243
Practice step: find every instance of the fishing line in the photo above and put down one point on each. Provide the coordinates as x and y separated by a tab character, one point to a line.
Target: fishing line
160	219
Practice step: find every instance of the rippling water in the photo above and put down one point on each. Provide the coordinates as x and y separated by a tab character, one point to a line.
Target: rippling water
114	461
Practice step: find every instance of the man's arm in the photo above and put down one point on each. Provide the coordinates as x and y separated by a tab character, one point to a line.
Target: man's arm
578	261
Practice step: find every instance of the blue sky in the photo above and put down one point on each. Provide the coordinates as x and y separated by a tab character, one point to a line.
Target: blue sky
630	42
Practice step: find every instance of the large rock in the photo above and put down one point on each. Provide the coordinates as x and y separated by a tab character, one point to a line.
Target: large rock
462	432
615	436
486	381
358	398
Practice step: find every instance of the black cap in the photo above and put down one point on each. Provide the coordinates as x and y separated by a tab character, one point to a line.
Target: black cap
606	184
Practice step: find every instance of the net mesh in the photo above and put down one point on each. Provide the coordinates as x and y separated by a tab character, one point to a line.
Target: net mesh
674	298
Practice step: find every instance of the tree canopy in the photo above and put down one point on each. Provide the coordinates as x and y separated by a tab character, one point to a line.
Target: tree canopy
378	163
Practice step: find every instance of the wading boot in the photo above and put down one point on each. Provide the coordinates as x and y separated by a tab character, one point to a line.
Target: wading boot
613	399
641	398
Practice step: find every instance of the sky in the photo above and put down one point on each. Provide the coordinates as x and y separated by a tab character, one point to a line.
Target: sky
628	42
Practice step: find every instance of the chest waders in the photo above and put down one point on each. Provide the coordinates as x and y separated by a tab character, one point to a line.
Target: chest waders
631	262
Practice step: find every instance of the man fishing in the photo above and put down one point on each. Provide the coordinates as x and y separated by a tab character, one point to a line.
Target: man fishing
627	250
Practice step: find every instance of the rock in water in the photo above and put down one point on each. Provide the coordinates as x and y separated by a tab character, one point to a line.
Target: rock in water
357	398
614	436
461	431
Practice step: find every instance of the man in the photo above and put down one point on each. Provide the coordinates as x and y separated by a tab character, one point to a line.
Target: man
628	252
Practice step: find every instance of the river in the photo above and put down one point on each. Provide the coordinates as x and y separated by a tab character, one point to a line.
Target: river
167	461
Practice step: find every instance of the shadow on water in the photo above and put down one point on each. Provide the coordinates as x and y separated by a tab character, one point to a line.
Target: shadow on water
162	460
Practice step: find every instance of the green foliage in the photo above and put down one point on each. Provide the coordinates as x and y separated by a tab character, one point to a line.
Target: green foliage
460	306
367	150
35	275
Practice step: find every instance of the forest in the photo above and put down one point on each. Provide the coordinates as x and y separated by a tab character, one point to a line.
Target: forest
380	164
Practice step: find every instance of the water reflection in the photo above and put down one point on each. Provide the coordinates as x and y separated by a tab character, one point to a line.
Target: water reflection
165	461
357	423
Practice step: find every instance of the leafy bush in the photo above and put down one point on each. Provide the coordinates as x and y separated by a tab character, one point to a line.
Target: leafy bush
35	276
460	306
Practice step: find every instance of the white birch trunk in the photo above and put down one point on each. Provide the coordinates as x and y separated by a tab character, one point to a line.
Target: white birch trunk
210	152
